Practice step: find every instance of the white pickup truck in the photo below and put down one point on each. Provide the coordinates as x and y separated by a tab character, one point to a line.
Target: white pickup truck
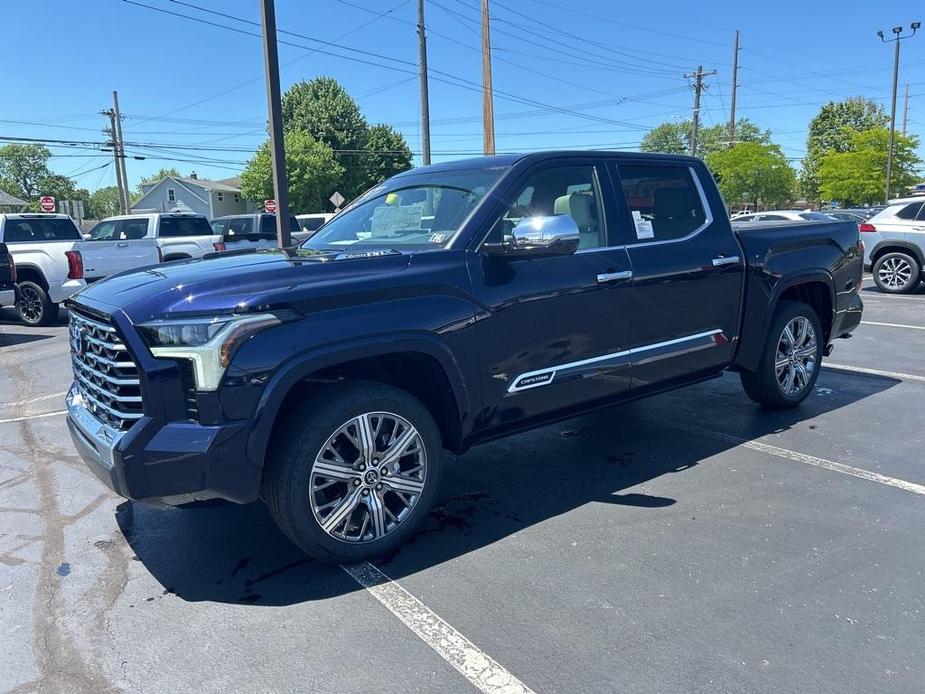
179	236
53	261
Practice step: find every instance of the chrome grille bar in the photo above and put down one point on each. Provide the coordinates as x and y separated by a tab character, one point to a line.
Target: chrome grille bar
104	372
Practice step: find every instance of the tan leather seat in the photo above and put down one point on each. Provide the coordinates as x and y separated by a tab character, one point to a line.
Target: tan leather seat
581	208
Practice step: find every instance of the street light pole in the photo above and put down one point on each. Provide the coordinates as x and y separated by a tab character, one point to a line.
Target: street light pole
275	108
898	34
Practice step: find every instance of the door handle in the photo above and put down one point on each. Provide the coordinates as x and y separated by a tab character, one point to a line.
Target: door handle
731	260
121	245
605	277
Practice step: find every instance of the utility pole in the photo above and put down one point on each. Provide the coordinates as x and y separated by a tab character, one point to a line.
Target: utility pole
906	109
735	84
275	108
488	109
120	149
898	34
699	86
425	99
114	143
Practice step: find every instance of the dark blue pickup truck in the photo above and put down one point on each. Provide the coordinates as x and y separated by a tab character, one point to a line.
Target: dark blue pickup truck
450	305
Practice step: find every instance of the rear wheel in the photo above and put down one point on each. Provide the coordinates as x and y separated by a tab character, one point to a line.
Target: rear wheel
354	472
34	305
896	273
791	359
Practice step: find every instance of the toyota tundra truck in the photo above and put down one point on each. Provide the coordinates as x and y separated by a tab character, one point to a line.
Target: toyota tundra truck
450	305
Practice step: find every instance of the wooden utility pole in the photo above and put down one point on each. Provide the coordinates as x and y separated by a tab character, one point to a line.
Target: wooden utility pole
425	99
119	147
735	84
906	109
699	86
114	143
275	108
488	109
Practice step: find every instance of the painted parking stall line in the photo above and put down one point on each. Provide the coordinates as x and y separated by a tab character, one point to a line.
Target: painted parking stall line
893	325
899	376
482	671
33	416
22	403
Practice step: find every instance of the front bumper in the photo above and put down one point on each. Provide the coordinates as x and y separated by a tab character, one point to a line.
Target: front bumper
165	462
58	293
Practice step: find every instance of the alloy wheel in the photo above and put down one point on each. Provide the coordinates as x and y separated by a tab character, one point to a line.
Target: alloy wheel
795	360
895	273
30	304
368	477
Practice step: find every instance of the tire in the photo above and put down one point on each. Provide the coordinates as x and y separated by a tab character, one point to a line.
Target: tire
769	387
318	437
896	273
35	308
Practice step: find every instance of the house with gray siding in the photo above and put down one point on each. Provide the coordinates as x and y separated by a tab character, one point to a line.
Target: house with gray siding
193	195
10	203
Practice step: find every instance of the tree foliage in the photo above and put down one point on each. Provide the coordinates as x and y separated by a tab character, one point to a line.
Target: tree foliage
24	166
324	110
311	166
103	203
154	178
857	176
832	130
675	138
754	172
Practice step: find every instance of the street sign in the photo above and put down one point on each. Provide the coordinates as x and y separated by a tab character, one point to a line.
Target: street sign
47	203
270	206
337	199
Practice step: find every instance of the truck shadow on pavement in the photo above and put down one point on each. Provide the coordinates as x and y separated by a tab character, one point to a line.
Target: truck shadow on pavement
235	554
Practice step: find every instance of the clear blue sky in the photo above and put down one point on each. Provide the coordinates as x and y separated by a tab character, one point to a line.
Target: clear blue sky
593	74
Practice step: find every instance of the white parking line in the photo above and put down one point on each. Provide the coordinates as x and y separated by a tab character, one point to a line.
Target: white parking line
874	372
893	325
482	671
19	403
813	460
33	416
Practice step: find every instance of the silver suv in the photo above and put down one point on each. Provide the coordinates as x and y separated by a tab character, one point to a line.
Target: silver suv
894	245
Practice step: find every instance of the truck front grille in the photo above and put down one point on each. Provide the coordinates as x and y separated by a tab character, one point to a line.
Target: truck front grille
105	374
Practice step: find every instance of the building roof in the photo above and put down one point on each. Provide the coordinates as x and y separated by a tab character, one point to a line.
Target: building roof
8	200
223	185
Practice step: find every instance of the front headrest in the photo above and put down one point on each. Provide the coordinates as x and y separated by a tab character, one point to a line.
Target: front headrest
578	207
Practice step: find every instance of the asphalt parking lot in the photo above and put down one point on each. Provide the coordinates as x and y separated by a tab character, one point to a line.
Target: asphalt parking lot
689	542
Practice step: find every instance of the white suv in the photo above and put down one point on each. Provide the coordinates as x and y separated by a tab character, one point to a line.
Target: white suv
894	245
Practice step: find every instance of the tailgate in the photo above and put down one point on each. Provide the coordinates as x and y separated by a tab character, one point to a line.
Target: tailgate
237	242
105	258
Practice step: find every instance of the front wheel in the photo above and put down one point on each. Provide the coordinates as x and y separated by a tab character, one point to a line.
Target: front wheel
354	471
35	307
896	273
791	359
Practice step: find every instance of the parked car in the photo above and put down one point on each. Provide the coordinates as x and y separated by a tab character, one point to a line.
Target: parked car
894	242
858	215
7	278
309	224
53	261
328	379
242	231
179	236
784	216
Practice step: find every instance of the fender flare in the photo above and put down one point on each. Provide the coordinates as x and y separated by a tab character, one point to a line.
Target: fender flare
30	267
300	366
914	250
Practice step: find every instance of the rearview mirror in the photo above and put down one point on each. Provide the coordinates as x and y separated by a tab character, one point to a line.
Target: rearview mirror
537	236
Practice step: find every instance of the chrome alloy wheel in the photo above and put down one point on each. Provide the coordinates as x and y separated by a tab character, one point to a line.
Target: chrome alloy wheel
795	360
368	476
30	304
895	273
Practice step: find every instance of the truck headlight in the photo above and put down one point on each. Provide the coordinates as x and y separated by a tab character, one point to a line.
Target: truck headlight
209	343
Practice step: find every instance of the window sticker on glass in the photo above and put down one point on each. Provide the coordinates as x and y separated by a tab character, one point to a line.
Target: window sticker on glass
438	238
643	226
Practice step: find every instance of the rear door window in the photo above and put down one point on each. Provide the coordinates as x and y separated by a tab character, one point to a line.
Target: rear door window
233	226
185	226
771	218
40	229
663	200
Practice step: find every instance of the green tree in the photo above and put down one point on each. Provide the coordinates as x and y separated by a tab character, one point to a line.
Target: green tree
675	138
312	169
753	172
387	154
323	109
24	165
858	176
831	131
154	178
103	203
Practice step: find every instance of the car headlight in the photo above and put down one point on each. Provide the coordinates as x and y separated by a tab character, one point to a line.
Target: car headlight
209	343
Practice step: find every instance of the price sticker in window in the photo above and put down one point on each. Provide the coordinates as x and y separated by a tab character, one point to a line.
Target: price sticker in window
644	228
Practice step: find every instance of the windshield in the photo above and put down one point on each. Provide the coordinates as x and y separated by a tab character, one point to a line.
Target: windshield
420	216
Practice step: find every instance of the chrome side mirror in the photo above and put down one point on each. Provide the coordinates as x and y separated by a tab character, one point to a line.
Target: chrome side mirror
538	236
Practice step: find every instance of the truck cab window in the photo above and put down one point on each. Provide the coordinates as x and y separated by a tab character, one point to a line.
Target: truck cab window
663	201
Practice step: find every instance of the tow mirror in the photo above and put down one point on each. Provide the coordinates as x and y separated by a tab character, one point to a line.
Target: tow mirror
539	236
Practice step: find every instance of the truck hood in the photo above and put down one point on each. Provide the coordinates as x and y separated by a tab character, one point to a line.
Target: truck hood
237	282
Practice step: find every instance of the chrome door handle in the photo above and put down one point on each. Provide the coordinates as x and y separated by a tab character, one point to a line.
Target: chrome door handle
121	245
731	260
605	277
